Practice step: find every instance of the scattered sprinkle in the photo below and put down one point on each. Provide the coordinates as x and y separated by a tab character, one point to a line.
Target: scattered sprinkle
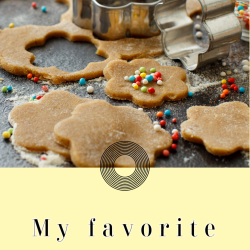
45	88
160	114
142	69
4	89
174	120
190	94
223	74
245	68
162	123
165	152
11	25
9	88
167	112
82	81
33	5
174	131
231	80
43	9
175	136
90	89
157	127
174	146
224	64
242	90
144	89
6	135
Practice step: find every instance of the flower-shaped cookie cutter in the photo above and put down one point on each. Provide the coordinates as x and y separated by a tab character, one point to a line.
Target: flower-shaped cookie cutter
219	21
115	19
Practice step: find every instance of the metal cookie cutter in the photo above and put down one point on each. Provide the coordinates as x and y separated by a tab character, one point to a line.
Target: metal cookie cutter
178	42
115	19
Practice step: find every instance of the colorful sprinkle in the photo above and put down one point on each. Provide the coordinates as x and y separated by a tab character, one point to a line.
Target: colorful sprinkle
82	81
142	69
137	72
242	90
144	89
162	123
138	78
175	136
165	152
190	94
43	158
222	96
136	86
157	127
174	120
126	78
224	86
9	88
90	89
236	88
153	70
174	131
132	78
167	112
174	146
11	25
43	9
4	89
231	80
34	5
151	90
138	83
232	86
149	78
158	74
45	88
36	79
159	114
159	82
226	91
29	76
145	81
143	75
10	130
224	81
6	135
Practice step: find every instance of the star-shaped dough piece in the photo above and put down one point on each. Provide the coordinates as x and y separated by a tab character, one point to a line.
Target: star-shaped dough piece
34	122
94	126
223	129
173	86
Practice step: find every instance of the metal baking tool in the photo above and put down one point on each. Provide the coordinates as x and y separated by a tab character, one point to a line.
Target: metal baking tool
115	19
218	18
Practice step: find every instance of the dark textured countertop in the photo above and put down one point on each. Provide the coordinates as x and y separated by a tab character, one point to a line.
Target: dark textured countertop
79	54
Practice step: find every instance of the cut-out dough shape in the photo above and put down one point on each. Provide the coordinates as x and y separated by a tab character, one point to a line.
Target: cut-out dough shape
15	58
34	122
173	87
193	7
93	128
223	129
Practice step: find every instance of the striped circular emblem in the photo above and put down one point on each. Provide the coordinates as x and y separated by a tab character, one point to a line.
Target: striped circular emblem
142	165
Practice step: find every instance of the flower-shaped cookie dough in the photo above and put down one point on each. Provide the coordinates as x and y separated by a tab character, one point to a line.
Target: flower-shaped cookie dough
172	87
34	122
94	126
223	129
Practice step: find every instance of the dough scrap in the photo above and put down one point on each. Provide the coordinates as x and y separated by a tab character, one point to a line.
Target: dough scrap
34	122
193	7
95	126
15	58
223	129
173	88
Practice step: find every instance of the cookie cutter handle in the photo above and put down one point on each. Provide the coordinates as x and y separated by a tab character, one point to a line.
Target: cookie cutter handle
221	24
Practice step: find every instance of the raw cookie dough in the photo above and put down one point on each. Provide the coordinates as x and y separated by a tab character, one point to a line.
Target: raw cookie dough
95	126
223	129
193	7
34	122
15	58
173	87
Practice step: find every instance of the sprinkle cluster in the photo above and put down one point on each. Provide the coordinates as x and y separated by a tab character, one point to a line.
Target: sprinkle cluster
232	87
242	12
141	77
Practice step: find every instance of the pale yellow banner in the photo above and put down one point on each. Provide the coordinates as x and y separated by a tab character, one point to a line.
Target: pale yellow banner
74	196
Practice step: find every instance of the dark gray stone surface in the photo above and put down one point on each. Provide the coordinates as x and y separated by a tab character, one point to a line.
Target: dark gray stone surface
79	54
